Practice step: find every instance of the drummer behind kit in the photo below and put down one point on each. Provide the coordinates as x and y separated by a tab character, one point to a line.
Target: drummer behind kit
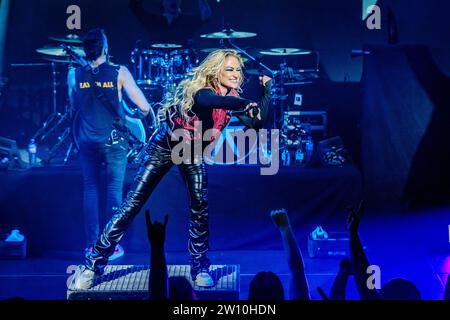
159	68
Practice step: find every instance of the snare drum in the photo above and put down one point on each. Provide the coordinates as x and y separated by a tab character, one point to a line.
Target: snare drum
148	67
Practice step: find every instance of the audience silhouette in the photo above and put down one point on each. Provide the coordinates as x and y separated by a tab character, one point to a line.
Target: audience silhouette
266	285
395	289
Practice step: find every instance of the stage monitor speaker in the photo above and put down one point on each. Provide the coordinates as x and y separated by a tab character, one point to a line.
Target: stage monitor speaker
9	155
333	153
335	246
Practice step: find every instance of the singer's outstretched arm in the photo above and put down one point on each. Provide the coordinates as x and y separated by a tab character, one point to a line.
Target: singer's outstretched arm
207	99
263	106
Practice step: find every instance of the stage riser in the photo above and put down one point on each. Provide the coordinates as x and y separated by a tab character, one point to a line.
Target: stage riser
120	282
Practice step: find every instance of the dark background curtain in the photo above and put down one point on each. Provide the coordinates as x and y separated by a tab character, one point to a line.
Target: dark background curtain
405	128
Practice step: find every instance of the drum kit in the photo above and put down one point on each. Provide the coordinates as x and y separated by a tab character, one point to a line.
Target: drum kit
162	65
158	68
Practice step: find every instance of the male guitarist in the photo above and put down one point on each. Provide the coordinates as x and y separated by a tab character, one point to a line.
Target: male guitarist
96	91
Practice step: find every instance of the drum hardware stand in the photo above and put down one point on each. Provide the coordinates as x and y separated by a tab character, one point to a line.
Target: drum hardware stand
68	114
281	96
45	130
278	96
272	72
55	119
41	134
169	81
66	133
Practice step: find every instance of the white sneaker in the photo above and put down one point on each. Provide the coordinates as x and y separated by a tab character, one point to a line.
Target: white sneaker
83	278
204	279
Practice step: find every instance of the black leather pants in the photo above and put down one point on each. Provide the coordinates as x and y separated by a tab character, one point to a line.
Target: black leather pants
156	164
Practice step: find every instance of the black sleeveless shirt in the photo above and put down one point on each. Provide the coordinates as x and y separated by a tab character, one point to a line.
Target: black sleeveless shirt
95	118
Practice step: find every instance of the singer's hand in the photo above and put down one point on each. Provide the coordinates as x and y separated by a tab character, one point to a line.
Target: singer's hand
250	108
264	79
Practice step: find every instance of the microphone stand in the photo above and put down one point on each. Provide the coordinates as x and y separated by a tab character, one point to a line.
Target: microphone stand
67	117
41	133
273	75
263	66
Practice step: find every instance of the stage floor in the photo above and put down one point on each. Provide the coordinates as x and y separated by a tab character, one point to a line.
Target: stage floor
46	204
45	278
420	253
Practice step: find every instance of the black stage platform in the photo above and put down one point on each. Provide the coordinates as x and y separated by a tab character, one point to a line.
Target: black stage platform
46	203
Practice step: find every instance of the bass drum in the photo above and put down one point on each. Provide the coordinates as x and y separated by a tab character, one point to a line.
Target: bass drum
180	62
148	67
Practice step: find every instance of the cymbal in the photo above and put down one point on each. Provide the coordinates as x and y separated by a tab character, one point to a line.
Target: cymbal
285	52
58	60
70	38
228	34
166	45
254	72
209	50
59	52
257	72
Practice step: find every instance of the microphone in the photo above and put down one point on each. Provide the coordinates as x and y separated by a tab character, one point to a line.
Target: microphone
66	48
75	56
244	112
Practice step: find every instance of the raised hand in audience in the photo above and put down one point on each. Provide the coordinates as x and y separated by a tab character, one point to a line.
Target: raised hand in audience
394	289
338	289
158	282
447	289
358	259
299	289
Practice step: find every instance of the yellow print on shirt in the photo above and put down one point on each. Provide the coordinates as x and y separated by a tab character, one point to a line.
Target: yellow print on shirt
87	85
108	84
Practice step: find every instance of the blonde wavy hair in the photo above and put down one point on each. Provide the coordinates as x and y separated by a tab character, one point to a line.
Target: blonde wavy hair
205	75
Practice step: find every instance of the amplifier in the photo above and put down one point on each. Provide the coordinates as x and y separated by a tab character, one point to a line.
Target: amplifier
13	249
335	245
312	120
10	155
